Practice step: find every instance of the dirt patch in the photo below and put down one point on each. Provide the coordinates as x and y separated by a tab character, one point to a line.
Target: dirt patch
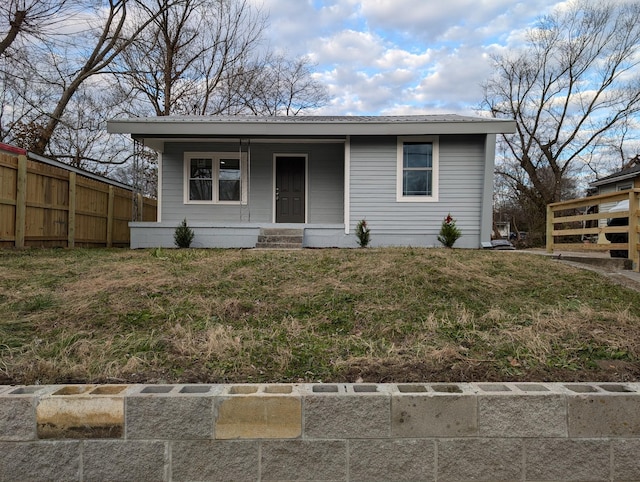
606	371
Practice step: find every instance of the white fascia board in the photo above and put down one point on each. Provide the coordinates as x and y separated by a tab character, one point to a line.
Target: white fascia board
615	180
184	127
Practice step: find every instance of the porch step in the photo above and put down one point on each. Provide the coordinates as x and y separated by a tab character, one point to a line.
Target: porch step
280	238
281	231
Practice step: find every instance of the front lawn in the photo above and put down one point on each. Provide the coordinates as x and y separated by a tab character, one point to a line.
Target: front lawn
378	315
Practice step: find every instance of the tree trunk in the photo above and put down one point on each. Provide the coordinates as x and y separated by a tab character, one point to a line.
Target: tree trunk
16	26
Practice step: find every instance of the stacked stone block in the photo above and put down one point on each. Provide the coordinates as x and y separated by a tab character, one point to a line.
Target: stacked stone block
337	432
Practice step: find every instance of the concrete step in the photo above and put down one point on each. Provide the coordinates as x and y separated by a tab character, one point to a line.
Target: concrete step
281	232
278	245
279	239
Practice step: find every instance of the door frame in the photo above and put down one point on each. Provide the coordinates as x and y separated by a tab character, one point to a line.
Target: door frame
306	183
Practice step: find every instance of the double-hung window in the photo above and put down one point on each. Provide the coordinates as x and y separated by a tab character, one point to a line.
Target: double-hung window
417	169
215	178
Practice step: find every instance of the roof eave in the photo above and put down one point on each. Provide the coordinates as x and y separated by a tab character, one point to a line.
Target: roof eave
613	180
142	128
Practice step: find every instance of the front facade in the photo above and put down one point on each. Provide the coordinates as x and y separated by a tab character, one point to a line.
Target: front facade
231	177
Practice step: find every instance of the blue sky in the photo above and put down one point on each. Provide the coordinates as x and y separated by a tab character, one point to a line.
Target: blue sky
401	56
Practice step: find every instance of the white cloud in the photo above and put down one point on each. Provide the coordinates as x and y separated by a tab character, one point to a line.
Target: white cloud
400	56
427	20
456	78
348	46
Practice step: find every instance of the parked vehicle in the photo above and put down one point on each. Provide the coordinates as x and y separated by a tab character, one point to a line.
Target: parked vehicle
618	237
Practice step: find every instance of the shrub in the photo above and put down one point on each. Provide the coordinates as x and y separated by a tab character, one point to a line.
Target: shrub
363	234
449	232
183	235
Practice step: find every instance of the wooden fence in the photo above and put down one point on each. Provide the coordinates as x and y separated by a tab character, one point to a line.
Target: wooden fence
52	206
570	224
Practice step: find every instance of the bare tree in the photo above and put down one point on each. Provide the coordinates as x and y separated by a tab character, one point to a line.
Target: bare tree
114	34
574	84
29	18
58	68
80	138
181	61
282	87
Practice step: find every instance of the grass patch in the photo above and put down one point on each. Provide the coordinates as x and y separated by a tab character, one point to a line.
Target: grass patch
378	315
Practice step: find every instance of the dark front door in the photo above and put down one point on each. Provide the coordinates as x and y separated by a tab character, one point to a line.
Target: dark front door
290	177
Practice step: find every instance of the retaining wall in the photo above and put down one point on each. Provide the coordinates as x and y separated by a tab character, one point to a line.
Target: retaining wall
338	432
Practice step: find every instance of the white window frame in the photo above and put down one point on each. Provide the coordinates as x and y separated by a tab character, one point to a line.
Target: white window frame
215	158
434	141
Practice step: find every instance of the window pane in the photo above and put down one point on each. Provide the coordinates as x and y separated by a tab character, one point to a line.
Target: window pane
416	183
200	190
229	180
418	154
201	169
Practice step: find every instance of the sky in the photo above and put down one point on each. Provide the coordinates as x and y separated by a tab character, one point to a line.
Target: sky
397	57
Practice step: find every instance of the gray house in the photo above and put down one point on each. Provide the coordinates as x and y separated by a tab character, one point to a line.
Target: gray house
620	181
237	178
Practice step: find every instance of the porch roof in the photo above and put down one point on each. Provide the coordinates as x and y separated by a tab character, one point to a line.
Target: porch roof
623	175
306	126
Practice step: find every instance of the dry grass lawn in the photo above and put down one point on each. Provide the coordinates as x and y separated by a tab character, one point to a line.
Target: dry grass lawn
379	315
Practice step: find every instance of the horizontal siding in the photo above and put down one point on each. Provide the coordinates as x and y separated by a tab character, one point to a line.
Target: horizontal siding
373	187
325	194
173	207
326	184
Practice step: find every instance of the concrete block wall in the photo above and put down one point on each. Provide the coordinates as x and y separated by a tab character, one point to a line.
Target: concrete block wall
329	432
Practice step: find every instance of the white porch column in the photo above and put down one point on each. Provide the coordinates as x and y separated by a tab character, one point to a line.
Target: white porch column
347	184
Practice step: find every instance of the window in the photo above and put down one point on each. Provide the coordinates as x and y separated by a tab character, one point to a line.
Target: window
212	178
229	180
200	179
417	169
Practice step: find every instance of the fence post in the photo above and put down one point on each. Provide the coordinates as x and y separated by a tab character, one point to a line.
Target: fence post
21	201
549	229
71	219
633	230
110	217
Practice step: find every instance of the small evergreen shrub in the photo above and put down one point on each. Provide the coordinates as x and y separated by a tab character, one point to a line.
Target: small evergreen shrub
183	235
449	232
363	234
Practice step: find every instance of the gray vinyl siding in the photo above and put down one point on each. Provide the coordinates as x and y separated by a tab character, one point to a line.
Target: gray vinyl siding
604	207
325	183
461	180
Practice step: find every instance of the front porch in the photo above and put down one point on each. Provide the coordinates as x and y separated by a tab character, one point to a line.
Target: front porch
580	225
237	235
